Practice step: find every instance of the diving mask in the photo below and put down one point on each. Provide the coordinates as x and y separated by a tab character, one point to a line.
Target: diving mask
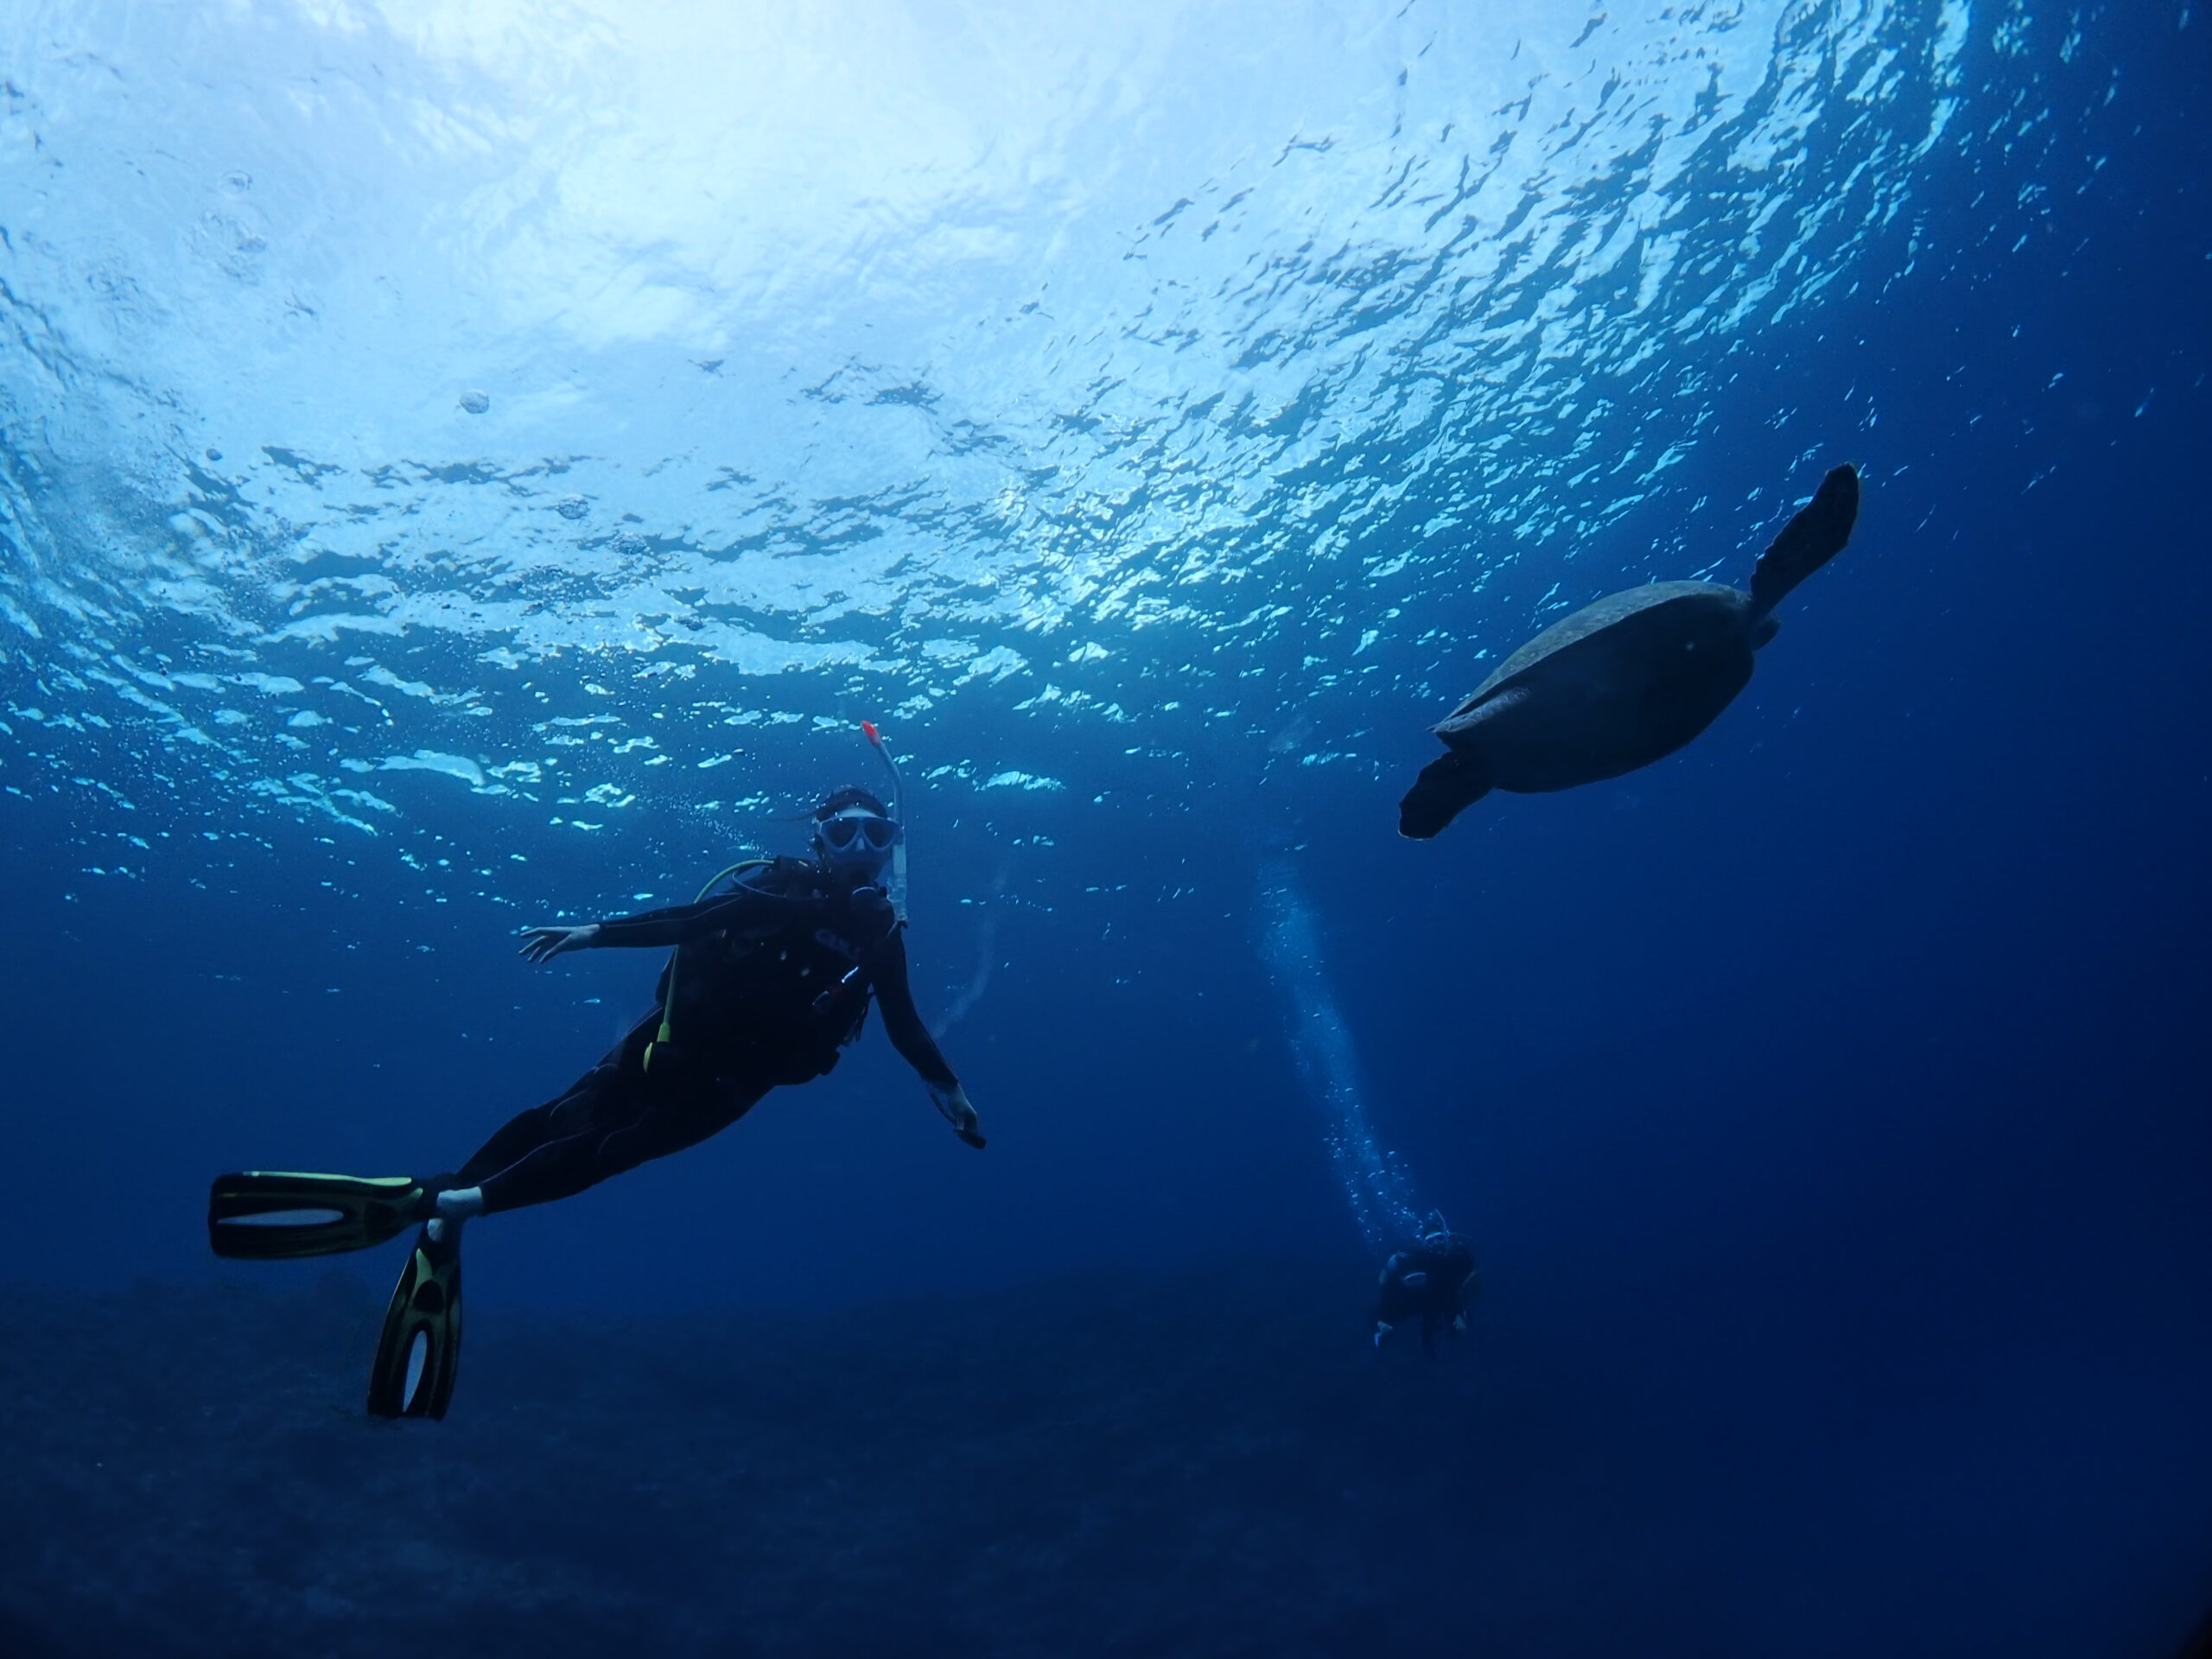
854	831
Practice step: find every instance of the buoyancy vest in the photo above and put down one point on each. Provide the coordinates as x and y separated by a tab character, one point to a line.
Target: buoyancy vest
782	1005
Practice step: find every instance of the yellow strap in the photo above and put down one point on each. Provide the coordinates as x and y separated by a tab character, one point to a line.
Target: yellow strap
668	1003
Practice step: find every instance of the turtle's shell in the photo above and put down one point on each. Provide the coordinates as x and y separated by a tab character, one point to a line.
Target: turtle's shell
1616	616
1612	688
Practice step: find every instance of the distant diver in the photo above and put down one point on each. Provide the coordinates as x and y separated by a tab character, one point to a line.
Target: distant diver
1431	1279
1622	683
769	981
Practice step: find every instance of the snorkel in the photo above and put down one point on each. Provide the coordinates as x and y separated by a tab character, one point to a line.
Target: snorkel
895	888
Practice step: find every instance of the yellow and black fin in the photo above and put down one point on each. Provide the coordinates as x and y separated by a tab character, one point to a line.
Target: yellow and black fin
420	1350
269	1215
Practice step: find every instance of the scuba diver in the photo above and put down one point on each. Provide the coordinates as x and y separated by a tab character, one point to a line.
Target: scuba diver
768	983
1433	1277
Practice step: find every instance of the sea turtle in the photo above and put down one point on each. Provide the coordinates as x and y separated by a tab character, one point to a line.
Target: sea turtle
1624	681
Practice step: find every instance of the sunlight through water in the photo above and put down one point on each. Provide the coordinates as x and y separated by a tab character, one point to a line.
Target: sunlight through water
441	417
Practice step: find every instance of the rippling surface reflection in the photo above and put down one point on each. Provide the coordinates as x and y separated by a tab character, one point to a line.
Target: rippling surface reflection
559	404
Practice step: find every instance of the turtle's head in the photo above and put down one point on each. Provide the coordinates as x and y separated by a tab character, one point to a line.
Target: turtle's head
1763	630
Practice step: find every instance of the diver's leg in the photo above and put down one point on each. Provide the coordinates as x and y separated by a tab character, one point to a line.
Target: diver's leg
672	1126
571	1114
561	1158
593	1103
620	1122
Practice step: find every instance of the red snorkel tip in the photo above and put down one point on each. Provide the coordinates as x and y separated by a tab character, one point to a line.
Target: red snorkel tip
874	736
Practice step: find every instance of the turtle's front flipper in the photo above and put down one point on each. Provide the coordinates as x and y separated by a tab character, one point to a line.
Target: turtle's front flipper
1447	785
1808	541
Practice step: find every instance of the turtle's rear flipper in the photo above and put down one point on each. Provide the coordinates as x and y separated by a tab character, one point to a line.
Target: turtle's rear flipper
1447	785
1808	541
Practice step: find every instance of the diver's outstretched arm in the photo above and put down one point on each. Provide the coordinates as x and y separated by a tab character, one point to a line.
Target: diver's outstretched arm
746	910
887	970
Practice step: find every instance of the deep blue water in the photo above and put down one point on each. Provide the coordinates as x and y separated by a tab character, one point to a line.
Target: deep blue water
1155	421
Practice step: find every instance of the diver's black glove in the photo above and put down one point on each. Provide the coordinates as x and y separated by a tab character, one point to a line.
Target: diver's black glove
953	1103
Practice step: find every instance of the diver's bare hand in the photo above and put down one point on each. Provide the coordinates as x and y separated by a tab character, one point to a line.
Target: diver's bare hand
544	944
953	1103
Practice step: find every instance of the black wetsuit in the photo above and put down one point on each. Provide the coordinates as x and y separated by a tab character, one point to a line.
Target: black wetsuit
1434	1280
773	981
